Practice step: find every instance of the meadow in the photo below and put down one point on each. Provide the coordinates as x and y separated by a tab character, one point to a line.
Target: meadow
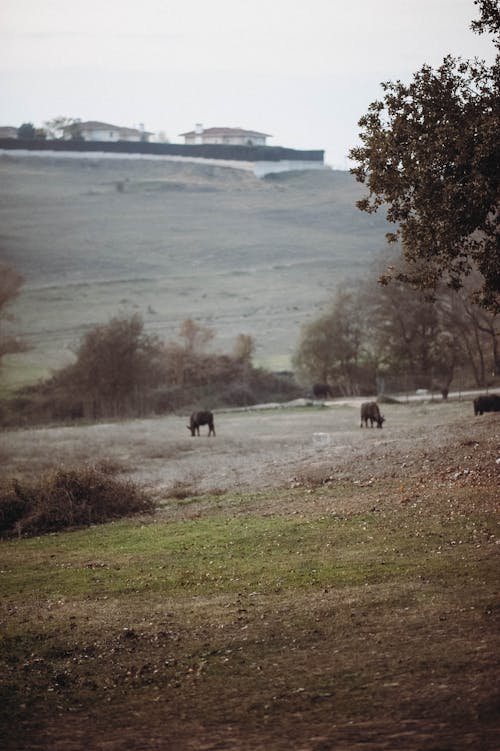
303	584
169	240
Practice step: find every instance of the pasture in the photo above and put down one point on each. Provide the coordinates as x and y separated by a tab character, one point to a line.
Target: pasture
304	584
176	241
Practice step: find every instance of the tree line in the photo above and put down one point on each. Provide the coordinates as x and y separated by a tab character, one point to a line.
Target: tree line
396	333
121	371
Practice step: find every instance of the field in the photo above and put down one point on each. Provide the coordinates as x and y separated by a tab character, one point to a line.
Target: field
304	584
171	241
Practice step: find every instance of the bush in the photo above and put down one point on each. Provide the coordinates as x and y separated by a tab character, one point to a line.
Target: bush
68	498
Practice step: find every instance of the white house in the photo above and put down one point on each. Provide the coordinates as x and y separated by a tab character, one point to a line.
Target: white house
231	136
96	131
8	131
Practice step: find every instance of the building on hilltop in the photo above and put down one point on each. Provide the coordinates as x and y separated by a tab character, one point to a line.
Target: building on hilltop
8	131
93	130
229	136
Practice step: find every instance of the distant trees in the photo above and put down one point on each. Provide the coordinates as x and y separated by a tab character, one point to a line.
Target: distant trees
231	379
332	348
121	371
27	131
55	128
244	348
430	154
374	331
116	364
11	282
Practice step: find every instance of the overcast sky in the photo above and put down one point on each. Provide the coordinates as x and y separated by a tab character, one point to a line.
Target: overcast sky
303	72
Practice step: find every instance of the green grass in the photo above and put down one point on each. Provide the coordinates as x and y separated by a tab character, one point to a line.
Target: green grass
254	630
226	555
17	371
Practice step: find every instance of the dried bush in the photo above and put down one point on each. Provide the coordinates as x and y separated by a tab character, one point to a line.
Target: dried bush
66	498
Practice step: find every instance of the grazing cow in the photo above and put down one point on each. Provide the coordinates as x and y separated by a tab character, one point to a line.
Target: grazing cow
322	391
370	411
201	418
487	403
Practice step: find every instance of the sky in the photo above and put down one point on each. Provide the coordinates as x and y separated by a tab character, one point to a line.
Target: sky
302	72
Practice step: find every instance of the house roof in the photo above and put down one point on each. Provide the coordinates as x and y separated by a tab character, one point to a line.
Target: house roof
8	131
226	132
96	125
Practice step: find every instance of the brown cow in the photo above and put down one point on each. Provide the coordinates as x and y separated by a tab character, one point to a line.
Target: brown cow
370	411
322	391
201	418
486	403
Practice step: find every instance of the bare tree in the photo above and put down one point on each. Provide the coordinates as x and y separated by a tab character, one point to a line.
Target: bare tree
56	127
244	348
476	332
195	336
331	348
10	284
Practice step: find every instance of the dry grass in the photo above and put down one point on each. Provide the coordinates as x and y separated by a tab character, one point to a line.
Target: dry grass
185	254
351	605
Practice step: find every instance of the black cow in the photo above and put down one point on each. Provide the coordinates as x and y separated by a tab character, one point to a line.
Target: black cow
201	418
487	403
322	391
370	411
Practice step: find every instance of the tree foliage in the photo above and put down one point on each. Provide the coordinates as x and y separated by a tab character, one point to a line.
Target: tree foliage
116	363
11	282
121	371
26	131
395	331
332	348
430	153
55	127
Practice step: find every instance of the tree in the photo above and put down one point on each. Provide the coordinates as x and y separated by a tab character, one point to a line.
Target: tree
475	332
430	153
375	332
10	284
26	131
330	348
116	364
195	336
55	128
244	348
403	326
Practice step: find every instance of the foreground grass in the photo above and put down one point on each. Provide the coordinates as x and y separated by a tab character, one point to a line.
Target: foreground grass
256	632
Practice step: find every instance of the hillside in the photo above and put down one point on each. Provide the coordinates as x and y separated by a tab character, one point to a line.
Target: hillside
173	240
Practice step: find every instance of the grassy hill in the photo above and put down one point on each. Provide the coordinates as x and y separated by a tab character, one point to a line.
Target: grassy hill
173	240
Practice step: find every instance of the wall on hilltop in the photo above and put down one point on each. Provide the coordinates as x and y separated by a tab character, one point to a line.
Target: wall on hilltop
205	151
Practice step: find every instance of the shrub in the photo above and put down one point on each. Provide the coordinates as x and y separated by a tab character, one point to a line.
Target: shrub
66	498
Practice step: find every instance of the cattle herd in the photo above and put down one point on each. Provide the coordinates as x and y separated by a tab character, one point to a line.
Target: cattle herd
370	412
